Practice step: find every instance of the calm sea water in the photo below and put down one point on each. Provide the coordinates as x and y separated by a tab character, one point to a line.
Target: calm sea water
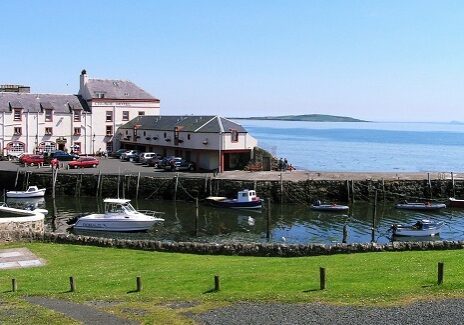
289	223
369	146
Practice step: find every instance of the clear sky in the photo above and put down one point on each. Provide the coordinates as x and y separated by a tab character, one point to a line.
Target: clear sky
375	60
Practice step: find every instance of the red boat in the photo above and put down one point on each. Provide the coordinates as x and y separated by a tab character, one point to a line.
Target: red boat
455	203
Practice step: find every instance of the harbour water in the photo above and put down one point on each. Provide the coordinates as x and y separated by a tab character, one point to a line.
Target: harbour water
289	223
366	146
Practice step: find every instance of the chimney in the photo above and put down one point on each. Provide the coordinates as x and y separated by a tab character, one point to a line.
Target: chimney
83	81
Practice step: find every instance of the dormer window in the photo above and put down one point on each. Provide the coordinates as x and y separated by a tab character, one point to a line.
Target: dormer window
100	95
77	115
48	115
234	135
17	114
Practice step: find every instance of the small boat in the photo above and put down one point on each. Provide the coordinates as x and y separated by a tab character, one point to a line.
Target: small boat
21	212
119	215
32	191
36	204
328	207
455	203
246	199
421	228
420	206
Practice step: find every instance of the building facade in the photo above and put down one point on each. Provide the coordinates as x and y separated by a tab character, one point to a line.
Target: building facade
212	142
83	123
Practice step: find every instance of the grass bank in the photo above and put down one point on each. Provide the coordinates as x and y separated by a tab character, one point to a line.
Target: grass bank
169	280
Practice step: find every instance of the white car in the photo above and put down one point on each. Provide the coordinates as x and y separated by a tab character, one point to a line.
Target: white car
146	155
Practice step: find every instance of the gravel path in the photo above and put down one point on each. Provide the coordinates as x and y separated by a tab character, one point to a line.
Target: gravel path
430	312
79	312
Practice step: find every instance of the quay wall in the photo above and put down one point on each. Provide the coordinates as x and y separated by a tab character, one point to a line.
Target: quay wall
188	187
236	249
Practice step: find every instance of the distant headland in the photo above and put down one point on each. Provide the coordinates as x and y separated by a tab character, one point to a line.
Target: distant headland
305	117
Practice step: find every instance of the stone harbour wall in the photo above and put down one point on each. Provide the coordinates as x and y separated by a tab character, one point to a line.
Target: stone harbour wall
236	249
187	187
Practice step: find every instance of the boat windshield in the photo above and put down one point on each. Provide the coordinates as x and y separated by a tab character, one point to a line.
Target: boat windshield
129	207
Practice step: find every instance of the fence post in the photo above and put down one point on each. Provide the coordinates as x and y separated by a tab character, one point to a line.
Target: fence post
139	284
322	278
441	267
72	284
217	286
14	285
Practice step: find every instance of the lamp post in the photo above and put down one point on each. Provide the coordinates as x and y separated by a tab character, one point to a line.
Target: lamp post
93	144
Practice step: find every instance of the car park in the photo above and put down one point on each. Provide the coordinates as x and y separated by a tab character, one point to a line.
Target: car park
178	163
130	155
84	162
32	160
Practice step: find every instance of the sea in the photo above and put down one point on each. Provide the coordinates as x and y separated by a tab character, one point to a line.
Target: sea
362	146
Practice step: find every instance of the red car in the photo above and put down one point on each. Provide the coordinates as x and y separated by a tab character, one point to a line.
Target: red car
84	162
31	160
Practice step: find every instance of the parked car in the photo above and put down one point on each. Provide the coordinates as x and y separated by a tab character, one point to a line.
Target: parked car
165	161
179	164
84	162
144	156
63	156
130	155
118	153
31	160
153	161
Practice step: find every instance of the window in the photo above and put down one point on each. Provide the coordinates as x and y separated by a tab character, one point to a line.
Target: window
125	115
109	130
18	131
100	95
48	131
48	115
109	116
77	131
234	135
141	113
77	115
17	114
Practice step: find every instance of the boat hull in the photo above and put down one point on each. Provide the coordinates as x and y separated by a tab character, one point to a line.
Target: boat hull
22	194
408	232
420	206
226	203
455	203
330	207
120	225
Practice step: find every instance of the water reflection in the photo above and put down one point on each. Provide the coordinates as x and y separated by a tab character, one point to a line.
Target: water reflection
289	223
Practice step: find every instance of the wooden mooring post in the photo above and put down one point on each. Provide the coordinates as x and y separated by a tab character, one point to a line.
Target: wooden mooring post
17	175
138	185
196	216
452	183
176	185
281	188
268	220
430	185
374	213
345	234
98	183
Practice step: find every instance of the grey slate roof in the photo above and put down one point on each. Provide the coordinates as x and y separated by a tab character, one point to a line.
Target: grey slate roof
34	103
185	123
117	89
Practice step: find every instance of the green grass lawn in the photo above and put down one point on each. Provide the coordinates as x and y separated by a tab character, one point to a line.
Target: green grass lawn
107	274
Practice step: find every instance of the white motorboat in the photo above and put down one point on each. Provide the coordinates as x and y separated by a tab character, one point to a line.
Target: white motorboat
421	228
32	191
420	206
119	215
36	204
18	215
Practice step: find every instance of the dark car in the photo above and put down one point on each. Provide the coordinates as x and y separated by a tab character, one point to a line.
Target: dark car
165	161
179	164
63	156
153	161
118	153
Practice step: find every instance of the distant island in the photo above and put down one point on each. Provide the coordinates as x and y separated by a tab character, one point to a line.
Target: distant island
305	117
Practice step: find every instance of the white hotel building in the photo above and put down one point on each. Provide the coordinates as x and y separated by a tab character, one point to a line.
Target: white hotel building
110	114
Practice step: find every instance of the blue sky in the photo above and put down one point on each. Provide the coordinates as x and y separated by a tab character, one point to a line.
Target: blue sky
374	60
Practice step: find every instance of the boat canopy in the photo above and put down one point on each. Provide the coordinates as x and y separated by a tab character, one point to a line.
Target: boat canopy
117	201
